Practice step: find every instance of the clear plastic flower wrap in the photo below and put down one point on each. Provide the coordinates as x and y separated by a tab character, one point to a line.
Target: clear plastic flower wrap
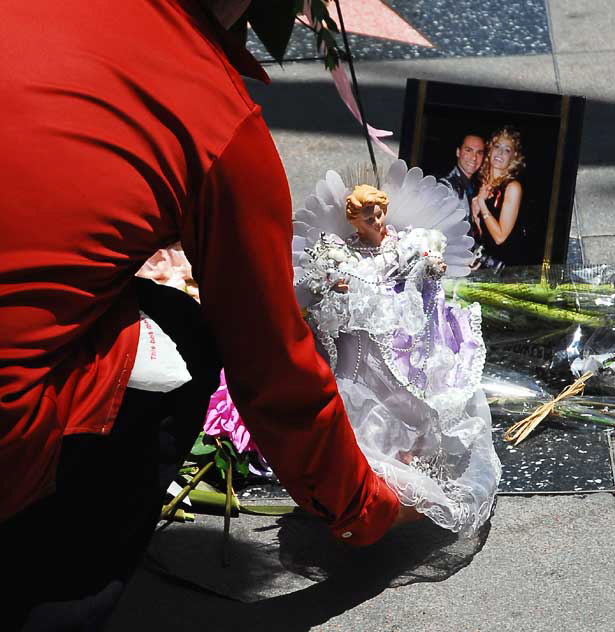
545	327
513	395
543	317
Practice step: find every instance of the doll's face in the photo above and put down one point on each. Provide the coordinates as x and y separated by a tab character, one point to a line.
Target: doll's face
370	225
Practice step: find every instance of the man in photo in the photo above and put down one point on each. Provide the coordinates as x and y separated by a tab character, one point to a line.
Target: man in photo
470	153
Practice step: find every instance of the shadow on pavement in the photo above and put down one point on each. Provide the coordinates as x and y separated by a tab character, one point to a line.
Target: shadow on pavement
416	552
284	575
315	107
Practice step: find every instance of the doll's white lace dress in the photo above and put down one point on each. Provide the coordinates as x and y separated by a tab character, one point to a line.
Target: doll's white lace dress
408	363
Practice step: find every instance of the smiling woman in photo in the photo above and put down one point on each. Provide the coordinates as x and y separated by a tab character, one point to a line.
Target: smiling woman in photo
496	208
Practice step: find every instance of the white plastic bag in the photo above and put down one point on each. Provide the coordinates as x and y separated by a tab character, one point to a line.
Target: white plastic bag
158	364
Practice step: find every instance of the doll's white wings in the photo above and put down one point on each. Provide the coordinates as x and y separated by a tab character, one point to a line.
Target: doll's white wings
421	202
323	212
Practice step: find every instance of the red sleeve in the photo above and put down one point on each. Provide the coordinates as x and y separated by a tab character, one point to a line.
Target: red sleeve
239	243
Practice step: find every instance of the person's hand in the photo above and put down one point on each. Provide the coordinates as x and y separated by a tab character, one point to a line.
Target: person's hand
437	266
475	208
407	515
485	193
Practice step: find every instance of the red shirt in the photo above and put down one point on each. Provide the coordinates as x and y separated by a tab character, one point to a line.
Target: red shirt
126	128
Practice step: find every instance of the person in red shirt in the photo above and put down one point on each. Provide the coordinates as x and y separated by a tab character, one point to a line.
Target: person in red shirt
126	128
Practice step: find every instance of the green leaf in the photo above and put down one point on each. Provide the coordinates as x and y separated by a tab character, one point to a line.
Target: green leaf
319	10
212	502
202	449
328	39
331	25
332	59
229	447
221	463
202	446
242	467
273	21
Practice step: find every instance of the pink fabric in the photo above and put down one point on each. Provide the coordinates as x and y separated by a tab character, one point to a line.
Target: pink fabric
223	420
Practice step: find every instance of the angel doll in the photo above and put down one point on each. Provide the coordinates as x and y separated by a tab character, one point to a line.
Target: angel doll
368	271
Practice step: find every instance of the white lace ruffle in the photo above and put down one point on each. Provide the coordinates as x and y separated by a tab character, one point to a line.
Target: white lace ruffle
451	476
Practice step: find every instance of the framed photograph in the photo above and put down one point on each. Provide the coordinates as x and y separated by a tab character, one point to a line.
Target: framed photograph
511	156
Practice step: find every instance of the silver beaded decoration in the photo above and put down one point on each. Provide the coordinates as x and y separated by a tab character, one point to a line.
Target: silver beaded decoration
329	344
355	374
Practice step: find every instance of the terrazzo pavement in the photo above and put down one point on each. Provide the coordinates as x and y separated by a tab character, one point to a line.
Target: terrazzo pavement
548	561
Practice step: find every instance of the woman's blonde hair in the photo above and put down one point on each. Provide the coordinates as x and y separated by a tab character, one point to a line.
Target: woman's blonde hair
517	162
364	196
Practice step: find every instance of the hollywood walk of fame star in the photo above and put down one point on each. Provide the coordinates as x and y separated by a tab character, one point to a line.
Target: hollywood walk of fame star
375	18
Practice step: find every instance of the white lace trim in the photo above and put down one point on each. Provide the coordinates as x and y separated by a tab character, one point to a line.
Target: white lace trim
461	514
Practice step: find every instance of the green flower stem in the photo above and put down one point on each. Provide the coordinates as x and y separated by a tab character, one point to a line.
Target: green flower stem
581	413
600	402
603	288
529	291
182	516
230	495
542	293
589	301
267	510
489	297
494	315
214	503
168	510
581	297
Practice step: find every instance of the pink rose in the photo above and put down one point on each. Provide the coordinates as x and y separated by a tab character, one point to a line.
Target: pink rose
223	420
169	266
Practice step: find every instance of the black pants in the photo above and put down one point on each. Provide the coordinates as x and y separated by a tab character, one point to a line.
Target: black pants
67	558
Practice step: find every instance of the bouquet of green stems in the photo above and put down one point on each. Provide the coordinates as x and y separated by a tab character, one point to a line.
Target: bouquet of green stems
516	304
543	318
544	328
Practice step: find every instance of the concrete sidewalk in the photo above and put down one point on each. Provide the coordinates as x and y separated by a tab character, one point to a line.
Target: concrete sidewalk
547	565
548	562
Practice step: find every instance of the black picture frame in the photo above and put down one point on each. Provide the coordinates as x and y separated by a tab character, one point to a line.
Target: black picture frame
437	115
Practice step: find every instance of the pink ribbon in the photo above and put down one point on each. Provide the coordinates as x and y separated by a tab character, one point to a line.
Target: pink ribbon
344	89
342	83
